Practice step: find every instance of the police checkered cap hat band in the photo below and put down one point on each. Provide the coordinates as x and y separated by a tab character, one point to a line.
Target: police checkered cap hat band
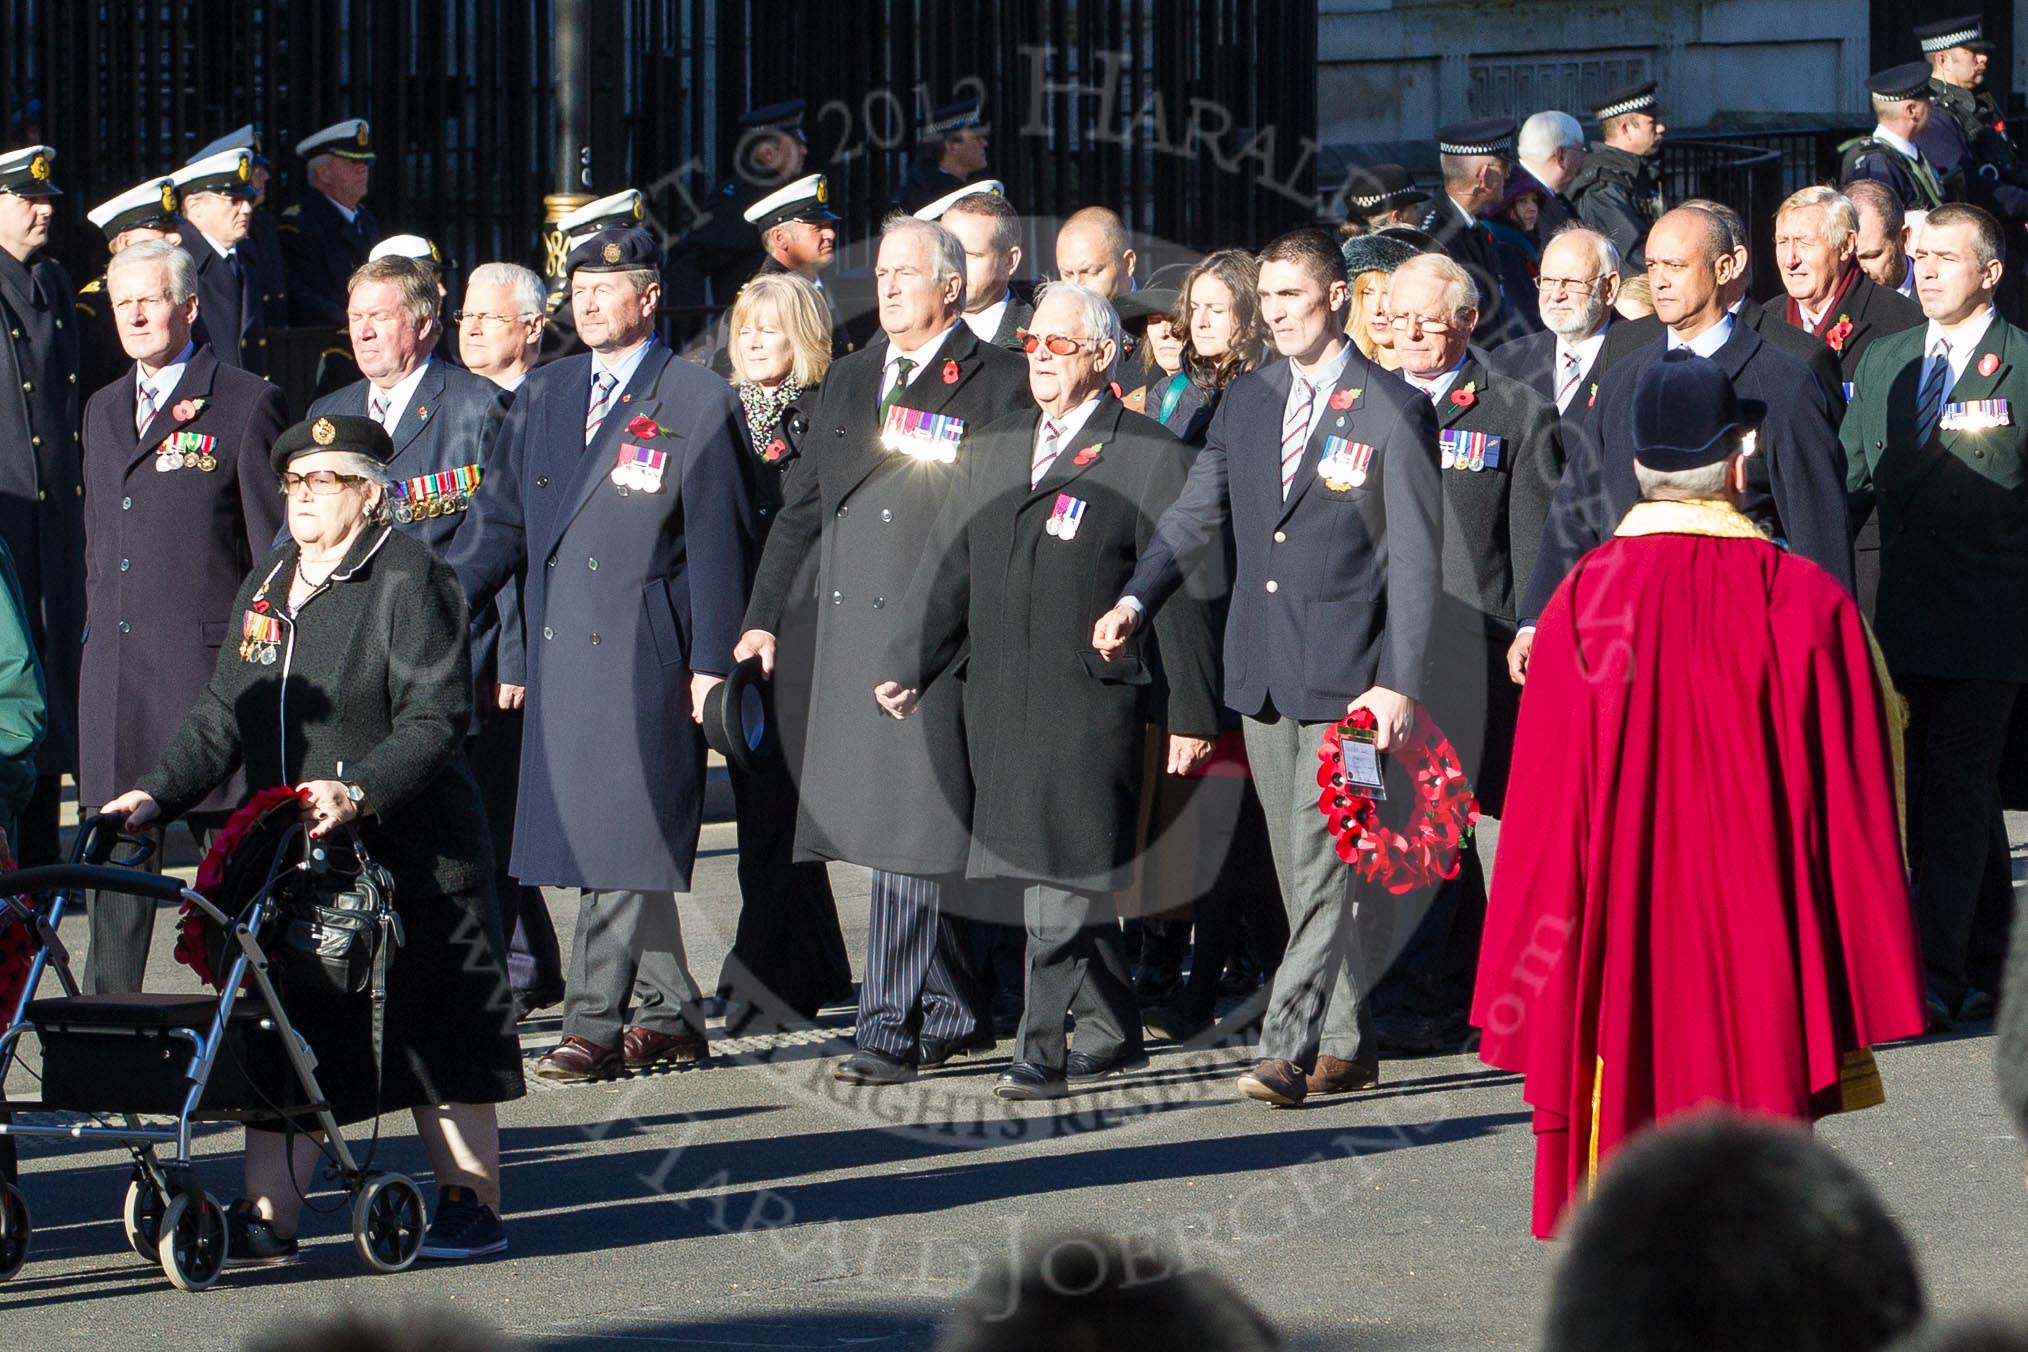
409	246
803	200
1488	136
1907	81
784	116
626	207
153	202
935	210
29	172
229	172
1382	185
1638	98
1964	31
240	138
351	139
952	117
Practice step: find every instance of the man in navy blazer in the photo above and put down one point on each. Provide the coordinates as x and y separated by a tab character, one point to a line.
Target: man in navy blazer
1796	475
622	487
1324	468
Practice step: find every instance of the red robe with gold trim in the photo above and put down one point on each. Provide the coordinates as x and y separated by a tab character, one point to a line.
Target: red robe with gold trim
1699	896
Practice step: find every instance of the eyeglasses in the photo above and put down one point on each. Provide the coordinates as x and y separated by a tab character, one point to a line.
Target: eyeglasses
1062	344
1403	323
460	316
322	482
1583	286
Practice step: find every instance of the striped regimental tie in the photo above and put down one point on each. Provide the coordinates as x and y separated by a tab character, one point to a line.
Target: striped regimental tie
1296	432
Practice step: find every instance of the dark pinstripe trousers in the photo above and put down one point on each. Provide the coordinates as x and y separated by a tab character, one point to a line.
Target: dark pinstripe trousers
918	980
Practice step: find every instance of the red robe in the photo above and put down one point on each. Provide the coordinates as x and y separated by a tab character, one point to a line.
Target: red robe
1699	895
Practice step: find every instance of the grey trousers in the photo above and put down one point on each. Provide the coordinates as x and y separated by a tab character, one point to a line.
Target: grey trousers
918	980
627	968
1077	961
1316	1005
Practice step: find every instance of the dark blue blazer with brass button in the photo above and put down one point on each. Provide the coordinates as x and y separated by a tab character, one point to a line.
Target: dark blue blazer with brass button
628	594
452	422
320	248
1336	589
165	551
229	313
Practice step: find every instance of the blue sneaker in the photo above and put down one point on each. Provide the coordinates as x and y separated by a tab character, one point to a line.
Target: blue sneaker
463	1228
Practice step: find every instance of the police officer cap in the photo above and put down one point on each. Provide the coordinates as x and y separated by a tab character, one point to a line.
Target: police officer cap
1686	413
784	116
1383	187
1909	81
332	432
153	202
1965	31
1375	253
617	248
952	117
1487	136
1639	98
26	172
229	172
807	199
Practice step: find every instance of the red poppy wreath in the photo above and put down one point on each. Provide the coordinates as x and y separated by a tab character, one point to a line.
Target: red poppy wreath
1427	849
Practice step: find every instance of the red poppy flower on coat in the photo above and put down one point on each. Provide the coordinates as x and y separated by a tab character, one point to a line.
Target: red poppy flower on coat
773	450
1087	455
950	373
1341	400
1989	363
1464	398
1836	336
183	410
643	427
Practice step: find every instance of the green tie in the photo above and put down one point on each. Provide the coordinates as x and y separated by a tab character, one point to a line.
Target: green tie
902	366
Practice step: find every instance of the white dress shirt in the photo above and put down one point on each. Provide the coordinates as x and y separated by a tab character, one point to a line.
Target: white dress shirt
397	398
1067	428
1320	380
1707	343
1586	352
1964	339
922	357
621	371
163	382
1435	387
986	322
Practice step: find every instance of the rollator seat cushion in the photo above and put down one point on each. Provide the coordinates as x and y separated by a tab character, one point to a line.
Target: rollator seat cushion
139	1009
120	1053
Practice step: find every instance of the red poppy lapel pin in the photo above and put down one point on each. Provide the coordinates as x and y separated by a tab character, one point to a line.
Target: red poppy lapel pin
1989	363
1342	399
644	427
773	450
183	410
1839	333
1464	398
421	412
1088	454
1592	402
950	371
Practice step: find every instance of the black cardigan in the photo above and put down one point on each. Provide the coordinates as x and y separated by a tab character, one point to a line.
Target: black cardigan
374	673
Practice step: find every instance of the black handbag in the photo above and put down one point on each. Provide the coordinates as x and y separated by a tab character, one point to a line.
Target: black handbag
337	922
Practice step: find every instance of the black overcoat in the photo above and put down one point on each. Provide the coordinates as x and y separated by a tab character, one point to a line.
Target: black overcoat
628	594
41	487
1054	732
1873	311
877	792
229	313
320	248
165	551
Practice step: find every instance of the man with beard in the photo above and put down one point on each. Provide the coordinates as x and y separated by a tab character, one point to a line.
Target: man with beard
1575	293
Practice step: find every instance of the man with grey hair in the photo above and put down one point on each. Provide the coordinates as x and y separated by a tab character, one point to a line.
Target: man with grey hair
1499	445
1039	532
1551	150
891	428
1574	293
500	327
1816	246
179	502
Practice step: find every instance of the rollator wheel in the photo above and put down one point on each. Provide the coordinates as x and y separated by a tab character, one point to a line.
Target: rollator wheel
14	1230
387	1222
141	1217
192	1247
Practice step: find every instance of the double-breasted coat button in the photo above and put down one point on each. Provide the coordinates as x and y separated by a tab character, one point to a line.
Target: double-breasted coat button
763	511
837	598
549	562
595	640
42	495
126	628
886	514
547	632
28	387
125	564
35	441
879	602
126	504
1281	537
542	481
842	507
593	564
1273	585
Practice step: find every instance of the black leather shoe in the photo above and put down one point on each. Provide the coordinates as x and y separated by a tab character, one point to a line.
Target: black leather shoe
1083	1067
937	1051
1026	1082
867	1066
1173	1022
1937	1014
1976	1007
528	1000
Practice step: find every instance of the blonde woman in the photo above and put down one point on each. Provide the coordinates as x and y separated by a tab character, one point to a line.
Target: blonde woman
1370	260
788	953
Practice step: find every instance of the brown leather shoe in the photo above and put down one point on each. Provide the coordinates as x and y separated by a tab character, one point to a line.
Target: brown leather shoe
1333	1076
575	1061
1279	1084
644	1048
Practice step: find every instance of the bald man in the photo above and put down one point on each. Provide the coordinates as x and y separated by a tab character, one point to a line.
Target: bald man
1091	250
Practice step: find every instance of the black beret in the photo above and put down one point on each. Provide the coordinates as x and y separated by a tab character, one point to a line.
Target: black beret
332	432
617	248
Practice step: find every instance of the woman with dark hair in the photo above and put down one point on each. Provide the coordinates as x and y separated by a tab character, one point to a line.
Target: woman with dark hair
1208	824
